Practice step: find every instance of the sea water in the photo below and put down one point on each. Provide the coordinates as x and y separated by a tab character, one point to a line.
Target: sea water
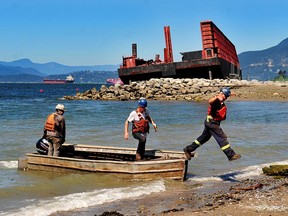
256	130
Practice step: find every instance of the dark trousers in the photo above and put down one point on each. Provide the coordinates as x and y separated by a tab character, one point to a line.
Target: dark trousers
212	128
142	141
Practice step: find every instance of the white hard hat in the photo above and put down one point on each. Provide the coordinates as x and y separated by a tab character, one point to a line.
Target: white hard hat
60	107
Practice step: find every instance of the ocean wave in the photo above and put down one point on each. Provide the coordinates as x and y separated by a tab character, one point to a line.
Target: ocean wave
236	175
85	199
9	164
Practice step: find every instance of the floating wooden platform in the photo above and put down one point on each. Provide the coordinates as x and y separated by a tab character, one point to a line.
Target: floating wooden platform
114	160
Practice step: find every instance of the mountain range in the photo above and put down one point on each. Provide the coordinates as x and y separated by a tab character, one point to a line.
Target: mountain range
260	65
24	70
55	68
265	64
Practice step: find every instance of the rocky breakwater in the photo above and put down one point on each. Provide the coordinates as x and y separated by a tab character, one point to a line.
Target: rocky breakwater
164	89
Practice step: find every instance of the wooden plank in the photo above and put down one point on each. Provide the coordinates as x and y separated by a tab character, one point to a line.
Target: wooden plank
175	175
98	165
129	151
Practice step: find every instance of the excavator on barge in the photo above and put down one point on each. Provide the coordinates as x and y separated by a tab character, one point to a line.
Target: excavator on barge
217	59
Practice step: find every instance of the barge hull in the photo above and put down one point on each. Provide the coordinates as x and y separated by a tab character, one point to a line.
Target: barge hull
214	68
217	60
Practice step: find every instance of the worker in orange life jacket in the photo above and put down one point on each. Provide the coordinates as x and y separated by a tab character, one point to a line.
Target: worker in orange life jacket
216	113
140	119
55	130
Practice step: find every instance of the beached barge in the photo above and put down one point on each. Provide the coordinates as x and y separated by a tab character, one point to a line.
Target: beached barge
104	159
217	59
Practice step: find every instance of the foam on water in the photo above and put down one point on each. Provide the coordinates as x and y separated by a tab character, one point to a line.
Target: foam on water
85	199
9	164
235	175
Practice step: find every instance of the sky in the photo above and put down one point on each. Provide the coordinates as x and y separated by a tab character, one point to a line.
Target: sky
100	32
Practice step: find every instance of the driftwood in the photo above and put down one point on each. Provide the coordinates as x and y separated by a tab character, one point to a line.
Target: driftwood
253	187
276	170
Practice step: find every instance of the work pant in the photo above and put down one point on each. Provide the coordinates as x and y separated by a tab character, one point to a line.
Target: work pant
142	141
212	128
55	144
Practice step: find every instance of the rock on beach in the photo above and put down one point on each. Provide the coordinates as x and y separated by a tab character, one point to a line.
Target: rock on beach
185	90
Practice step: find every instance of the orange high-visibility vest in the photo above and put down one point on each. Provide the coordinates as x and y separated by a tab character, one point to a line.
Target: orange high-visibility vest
50	122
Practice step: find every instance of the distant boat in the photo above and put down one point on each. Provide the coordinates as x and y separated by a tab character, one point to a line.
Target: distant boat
114	81
69	79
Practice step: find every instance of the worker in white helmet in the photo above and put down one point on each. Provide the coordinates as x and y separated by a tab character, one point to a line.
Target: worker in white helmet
55	130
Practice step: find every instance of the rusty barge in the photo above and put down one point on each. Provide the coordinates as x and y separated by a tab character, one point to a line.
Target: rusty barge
217	59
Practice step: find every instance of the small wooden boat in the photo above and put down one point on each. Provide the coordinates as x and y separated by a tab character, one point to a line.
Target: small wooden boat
104	159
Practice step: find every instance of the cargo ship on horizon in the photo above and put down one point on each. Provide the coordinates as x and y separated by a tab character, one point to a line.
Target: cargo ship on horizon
69	79
217	60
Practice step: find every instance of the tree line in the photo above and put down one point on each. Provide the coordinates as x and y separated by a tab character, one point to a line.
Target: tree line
281	76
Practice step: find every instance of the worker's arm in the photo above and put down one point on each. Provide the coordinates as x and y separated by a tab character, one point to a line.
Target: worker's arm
126	134
152	122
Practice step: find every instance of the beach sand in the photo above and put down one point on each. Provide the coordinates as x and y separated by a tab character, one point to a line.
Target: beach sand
263	196
258	93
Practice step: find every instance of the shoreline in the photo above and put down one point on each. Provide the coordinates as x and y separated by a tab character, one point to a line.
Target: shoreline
262	195
261	93
167	89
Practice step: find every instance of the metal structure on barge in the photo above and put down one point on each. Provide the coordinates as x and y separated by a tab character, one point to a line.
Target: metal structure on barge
217	59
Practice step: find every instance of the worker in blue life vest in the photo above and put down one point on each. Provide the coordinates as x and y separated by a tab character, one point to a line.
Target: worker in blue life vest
55	130
140	119
216	113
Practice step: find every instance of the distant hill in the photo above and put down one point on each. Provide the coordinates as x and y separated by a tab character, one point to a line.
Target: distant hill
21	78
14	70
87	76
265	64
24	70
79	76
55	68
